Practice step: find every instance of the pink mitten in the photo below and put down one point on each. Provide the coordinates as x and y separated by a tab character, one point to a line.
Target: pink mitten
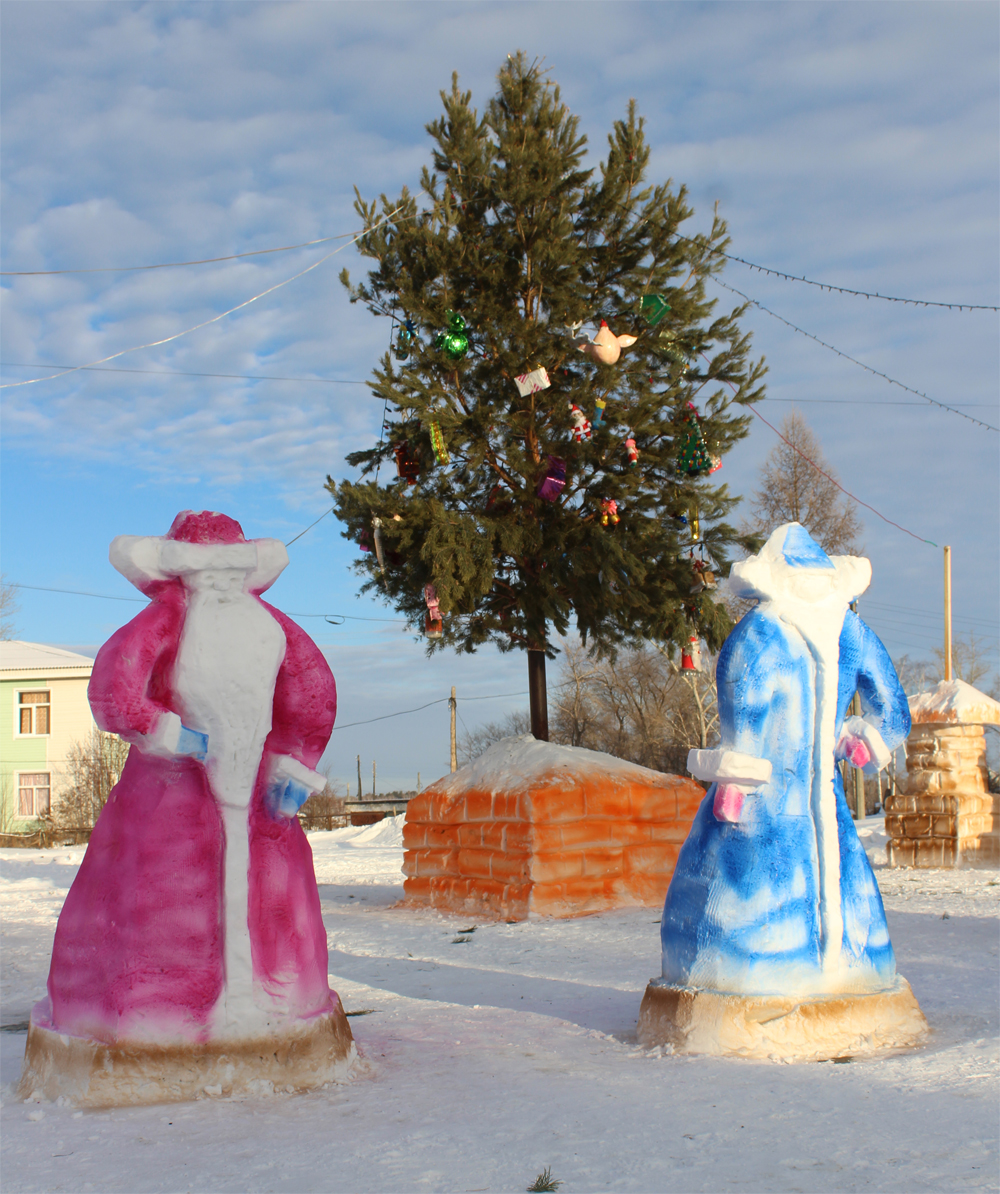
728	803
855	750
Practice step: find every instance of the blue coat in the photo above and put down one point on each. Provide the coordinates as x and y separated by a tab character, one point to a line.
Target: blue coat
754	907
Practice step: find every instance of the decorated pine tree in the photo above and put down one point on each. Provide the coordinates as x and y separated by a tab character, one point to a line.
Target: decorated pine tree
528	477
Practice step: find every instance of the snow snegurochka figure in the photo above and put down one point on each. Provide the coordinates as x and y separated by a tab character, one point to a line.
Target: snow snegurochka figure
774	936
190	956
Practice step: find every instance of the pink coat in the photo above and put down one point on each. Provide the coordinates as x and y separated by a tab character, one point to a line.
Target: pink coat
139	946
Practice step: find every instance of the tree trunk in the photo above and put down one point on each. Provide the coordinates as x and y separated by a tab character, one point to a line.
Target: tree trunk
537	696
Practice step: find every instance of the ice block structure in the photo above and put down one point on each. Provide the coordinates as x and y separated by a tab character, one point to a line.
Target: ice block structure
945	815
774	938
533	829
190	957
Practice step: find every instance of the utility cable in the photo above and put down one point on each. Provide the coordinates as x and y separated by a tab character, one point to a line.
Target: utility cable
127	269
832	480
215	318
853	360
886	298
327	381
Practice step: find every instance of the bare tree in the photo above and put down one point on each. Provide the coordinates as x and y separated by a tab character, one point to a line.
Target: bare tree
973	660
472	743
323	809
10	607
95	766
792	490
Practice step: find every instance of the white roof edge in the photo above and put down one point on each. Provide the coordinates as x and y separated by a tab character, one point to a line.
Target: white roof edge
17	656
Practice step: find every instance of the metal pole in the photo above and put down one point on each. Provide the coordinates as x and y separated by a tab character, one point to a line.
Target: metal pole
453	705
947	613
359	777
537	696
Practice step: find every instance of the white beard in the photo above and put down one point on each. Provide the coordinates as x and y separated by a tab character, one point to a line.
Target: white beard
230	651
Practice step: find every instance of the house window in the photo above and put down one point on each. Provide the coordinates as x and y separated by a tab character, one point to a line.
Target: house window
33	790
34	713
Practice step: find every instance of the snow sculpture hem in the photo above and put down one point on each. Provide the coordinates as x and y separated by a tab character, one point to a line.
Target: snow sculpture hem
301	1056
780	1027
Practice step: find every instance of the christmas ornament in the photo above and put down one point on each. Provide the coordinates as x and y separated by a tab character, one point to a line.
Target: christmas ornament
433	626
704	577
531	383
581	424
407	465
554	480
691	656
606	347
609	511
454	343
633	453
377	536
407	331
599	406
694	458
438	444
654	307
695	526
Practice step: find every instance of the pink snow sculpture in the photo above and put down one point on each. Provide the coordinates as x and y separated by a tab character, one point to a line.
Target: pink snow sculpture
193	930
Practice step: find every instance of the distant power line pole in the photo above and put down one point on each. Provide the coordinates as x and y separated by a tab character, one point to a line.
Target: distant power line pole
947	613
453	705
359	777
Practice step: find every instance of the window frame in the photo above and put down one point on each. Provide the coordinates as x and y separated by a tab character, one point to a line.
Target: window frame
20	706
34	788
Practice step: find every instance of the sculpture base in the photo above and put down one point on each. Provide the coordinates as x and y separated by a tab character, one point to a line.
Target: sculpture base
91	1073
780	1028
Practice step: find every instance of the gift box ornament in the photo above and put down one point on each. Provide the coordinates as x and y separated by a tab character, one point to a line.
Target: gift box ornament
554	480
407	465
454	343
581	424
653	308
531	383
439	446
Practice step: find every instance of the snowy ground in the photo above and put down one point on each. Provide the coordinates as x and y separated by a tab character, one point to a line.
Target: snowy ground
491	1054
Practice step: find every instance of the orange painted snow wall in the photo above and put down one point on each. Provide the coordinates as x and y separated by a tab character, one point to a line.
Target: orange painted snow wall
531	829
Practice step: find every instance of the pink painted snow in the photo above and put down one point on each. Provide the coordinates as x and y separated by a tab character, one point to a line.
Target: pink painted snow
490	1055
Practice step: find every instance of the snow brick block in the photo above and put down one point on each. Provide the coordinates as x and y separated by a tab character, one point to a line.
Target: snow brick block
532	829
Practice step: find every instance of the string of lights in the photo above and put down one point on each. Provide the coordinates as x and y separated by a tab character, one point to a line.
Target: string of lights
853	360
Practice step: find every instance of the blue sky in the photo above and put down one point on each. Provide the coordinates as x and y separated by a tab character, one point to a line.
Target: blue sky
855	143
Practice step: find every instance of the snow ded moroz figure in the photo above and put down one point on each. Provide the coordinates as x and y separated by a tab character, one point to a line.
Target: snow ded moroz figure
190	956
773	933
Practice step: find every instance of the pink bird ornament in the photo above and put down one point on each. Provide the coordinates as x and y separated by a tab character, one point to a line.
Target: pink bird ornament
606	347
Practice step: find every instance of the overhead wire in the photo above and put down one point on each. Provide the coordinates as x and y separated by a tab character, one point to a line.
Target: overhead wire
886	298
853	360
205	323
126	269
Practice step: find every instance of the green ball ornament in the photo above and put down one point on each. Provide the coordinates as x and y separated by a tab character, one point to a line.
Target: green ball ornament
454	343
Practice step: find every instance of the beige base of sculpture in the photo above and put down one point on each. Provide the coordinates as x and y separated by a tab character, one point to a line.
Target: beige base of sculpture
91	1074
779	1028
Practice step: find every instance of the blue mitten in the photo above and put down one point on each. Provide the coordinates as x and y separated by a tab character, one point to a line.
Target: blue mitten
285	797
194	743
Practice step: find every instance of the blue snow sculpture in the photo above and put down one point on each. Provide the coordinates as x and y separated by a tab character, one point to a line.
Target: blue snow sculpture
773	893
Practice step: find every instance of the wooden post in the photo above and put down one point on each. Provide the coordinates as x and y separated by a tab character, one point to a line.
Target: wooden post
453	705
947	613
359	777
537	696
